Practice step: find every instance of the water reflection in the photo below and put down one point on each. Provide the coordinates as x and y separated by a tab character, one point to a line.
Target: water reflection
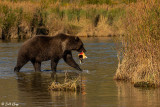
36	85
68	99
30	89
129	96
32	82
33	88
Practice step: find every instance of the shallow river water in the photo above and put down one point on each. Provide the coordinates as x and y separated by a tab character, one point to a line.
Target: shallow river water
30	89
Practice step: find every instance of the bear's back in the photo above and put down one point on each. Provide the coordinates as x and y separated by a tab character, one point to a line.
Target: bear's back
36	39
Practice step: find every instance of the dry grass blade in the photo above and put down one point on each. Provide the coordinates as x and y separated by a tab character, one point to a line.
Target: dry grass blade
67	85
21	19
141	52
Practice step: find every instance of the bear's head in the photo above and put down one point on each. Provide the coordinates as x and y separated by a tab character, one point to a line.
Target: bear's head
75	43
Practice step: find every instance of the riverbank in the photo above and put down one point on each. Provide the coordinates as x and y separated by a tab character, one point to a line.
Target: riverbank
139	57
138	22
21	19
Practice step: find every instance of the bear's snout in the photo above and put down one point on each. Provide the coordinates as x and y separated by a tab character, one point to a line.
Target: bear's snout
82	49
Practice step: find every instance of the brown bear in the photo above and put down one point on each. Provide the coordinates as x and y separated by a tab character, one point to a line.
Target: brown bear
43	48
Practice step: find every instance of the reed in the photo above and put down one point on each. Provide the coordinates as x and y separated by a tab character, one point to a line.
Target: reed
140	45
69	84
21	19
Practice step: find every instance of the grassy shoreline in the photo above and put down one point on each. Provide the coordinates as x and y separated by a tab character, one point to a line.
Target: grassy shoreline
139	57
21	20
138	21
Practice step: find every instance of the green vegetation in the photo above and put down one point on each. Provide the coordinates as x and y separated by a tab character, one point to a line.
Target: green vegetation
81	2
20	19
138	22
140	45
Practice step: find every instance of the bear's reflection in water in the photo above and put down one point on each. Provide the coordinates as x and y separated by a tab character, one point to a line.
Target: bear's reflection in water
34	88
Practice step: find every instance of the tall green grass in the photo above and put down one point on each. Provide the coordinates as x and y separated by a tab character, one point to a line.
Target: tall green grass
21	19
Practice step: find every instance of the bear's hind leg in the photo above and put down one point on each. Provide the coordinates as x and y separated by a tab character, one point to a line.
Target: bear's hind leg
20	63
37	66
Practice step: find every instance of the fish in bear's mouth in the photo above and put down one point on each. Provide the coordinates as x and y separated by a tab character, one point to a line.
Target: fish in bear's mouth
82	56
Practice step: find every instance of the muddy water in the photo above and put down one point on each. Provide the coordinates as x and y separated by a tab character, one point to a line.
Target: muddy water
30	89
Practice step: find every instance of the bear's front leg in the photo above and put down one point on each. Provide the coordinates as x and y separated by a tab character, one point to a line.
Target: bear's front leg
70	61
54	63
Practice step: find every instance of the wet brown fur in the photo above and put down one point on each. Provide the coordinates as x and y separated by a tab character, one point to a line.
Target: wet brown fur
43	48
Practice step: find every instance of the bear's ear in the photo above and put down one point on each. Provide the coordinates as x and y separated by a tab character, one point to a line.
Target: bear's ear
76	38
